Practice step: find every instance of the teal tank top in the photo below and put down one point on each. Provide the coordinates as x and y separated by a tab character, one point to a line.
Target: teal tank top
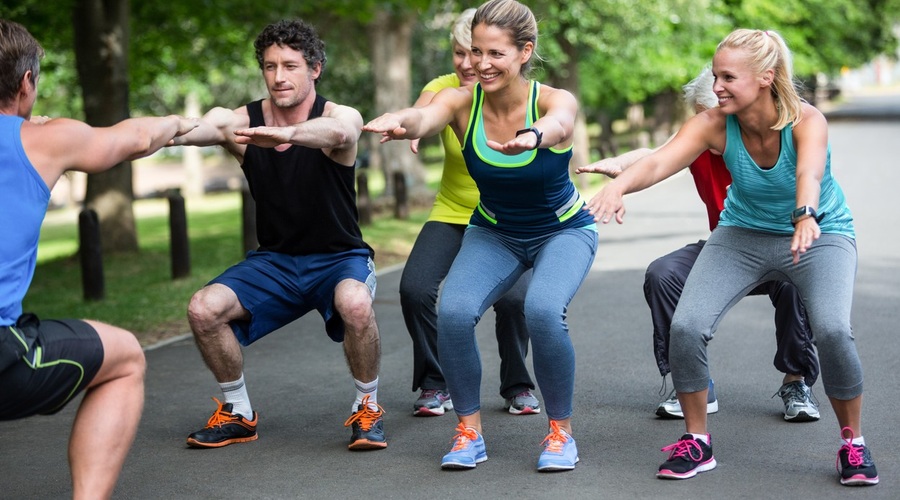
763	199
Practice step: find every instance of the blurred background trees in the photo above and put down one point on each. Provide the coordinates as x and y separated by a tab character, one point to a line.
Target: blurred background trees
626	60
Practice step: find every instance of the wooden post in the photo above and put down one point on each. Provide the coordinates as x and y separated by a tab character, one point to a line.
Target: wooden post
363	200
91	253
179	245
401	208
248	221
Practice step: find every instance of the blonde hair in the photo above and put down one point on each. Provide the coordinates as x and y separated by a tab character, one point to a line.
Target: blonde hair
461	31
516	19
699	91
767	50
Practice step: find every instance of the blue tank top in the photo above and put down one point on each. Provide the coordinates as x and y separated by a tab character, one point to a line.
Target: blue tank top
25	197
525	195
763	199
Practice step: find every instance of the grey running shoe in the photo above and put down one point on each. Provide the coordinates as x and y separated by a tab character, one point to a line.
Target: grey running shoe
798	403
432	403
523	403
671	408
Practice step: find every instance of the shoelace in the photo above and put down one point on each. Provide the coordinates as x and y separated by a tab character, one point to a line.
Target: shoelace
220	417
429	393
855	456
556	439
796	394
684	448
366	416
464	435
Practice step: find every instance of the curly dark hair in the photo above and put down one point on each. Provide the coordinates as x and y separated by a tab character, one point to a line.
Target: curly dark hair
297	35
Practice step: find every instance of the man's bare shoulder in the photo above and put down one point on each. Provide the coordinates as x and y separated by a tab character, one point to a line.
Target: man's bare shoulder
221	117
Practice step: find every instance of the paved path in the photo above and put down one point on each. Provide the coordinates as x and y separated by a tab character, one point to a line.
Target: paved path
301	388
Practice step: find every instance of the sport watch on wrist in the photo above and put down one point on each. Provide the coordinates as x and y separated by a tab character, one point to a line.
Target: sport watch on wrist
801	212
537	133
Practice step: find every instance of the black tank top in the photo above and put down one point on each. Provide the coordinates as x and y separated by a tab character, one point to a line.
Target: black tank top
305	201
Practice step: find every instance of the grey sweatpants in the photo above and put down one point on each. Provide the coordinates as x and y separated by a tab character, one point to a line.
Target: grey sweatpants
736	260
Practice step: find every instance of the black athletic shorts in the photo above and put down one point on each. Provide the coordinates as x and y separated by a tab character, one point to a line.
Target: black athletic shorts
56	360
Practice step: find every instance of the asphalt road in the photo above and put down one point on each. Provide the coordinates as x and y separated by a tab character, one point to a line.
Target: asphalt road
300	386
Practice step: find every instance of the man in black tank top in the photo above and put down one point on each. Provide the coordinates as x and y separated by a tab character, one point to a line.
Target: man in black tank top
298	153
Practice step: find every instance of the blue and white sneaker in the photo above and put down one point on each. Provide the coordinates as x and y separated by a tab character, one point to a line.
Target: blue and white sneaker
560	452
468	449
432	403
523	403
798	403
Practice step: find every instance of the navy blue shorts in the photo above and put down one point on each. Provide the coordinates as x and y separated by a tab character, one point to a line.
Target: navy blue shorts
277	289
61	359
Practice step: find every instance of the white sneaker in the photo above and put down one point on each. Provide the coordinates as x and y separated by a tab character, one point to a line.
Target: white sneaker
798	403
671	408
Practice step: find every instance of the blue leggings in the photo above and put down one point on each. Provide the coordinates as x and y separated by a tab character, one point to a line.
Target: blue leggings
732	263
487	266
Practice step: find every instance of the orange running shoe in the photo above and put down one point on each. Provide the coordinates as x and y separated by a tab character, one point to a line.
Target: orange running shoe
224	428
367	426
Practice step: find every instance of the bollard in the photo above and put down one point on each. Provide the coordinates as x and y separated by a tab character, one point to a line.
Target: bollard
91	255
248	221
179	245
401	208
363	201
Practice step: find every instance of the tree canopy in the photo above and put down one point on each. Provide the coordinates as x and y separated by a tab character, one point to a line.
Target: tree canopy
627	50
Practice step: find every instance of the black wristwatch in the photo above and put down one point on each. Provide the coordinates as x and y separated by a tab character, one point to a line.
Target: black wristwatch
801	212
537	133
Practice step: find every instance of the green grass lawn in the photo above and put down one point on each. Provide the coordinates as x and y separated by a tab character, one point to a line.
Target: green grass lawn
140	293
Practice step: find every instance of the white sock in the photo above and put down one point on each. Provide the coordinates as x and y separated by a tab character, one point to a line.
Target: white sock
364	389
236	393
701	437
858	441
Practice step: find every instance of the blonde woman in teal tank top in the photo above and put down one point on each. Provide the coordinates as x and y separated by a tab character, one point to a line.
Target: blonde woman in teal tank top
785	217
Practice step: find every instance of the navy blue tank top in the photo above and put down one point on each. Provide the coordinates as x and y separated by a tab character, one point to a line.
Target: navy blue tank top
526	195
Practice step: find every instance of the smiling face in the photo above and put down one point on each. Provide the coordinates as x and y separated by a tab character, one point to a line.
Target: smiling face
462	64
496	59
736	84
289	80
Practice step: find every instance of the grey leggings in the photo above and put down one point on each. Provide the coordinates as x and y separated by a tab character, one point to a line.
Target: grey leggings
736	260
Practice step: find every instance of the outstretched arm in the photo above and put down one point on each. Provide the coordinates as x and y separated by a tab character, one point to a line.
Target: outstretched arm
556	125
336	133
424	99
65	144
693	138
811	143
425	121
338	128
612	167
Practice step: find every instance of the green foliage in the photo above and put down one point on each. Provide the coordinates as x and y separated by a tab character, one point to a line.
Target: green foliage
824	35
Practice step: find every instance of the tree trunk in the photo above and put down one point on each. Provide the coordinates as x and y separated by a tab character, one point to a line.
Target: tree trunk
390	35
568	78
101	55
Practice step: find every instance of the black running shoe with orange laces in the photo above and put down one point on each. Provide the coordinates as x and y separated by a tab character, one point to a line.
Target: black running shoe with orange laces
367	427
224	428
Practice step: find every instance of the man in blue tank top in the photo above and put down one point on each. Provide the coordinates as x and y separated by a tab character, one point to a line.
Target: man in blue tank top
44	364
298	153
